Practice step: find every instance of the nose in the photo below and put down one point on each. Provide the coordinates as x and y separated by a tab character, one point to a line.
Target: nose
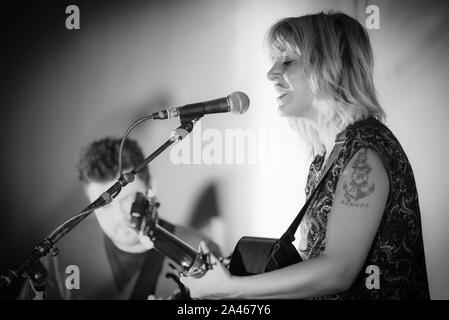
274	73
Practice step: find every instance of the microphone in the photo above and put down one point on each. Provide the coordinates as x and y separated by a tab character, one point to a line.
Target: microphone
237	103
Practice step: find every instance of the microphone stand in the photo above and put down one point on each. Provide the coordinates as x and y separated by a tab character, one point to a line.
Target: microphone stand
32	268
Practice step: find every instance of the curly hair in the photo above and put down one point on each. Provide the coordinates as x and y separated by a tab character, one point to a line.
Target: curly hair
98	161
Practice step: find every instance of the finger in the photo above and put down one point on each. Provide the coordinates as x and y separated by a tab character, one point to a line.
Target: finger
203	248
187	282
214	259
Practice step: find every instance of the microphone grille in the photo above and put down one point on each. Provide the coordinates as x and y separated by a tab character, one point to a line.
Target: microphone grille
238	102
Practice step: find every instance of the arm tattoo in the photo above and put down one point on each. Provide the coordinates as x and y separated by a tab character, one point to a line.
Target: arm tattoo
359	187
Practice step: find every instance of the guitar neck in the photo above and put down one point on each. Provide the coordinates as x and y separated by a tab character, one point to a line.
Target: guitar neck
180	252
145	221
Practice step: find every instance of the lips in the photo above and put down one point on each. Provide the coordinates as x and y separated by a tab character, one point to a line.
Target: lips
281	95
281	90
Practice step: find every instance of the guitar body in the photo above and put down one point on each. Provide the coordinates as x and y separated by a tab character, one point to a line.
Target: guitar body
250	256
254	255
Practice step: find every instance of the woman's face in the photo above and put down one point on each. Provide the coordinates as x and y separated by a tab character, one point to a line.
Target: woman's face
295	96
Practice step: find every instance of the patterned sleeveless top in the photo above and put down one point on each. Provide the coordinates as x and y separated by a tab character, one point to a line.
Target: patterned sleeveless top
397	252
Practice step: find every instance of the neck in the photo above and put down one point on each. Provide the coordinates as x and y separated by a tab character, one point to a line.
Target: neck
328	140
327	137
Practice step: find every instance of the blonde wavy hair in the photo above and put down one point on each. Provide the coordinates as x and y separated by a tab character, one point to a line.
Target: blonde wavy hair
338	63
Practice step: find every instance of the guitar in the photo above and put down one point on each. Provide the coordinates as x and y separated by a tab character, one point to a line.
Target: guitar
257	255
145	220
252	255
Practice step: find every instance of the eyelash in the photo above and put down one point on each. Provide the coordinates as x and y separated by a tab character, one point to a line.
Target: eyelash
286	63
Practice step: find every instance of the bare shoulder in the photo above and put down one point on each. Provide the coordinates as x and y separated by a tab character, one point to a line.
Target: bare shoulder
360	200
363	180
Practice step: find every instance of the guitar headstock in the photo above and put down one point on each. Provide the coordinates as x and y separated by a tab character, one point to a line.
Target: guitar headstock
144	215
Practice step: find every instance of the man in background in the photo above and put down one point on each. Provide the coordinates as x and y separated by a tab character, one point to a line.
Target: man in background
104	251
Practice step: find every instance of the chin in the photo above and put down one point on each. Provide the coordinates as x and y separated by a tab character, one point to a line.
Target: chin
129	243
281	110
126	237
284	111
289	111
131	248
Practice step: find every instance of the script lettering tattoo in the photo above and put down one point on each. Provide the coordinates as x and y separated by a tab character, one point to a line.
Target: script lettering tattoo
359	187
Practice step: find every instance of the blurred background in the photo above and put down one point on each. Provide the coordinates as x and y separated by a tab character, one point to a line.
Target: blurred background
61	89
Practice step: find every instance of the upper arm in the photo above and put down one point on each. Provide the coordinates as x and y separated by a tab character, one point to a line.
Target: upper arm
360	198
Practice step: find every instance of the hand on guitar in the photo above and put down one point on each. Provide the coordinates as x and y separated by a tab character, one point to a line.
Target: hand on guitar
214	284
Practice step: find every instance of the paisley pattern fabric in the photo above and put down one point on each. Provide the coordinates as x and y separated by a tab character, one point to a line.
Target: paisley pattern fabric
397	250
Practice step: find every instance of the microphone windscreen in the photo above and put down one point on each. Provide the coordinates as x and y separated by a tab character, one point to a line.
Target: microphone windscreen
238	102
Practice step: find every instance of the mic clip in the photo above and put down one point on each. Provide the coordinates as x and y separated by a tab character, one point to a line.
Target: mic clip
187	124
